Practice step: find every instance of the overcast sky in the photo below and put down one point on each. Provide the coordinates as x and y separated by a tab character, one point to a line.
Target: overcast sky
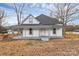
34	9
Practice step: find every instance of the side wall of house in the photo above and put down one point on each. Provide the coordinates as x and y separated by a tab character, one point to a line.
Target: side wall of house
58	33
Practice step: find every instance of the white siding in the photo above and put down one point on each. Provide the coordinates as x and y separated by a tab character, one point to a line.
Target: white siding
32	19
59	32
51	33
44	32
35	33
47	32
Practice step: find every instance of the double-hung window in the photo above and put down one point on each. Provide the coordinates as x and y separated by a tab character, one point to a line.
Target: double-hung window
30	31
54	30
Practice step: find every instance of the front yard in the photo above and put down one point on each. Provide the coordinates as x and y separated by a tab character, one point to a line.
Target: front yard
54	47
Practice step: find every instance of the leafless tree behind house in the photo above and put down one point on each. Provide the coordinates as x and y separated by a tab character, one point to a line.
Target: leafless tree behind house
19	9
2	16
67	12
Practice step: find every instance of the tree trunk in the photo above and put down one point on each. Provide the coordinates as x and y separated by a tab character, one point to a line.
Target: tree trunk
64	29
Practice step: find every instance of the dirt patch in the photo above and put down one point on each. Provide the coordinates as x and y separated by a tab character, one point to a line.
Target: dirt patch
5	37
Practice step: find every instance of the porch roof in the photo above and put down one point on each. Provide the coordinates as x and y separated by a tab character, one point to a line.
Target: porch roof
35	26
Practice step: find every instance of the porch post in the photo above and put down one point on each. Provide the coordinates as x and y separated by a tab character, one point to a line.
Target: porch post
49	32
39	33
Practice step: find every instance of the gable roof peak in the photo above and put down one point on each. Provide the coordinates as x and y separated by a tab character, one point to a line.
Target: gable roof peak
27	18
42	15
30	15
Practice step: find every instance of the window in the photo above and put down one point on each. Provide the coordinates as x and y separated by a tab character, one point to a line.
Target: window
21	30
30	31
30	20
54	30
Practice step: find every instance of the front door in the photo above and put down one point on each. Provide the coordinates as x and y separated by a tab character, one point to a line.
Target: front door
43	32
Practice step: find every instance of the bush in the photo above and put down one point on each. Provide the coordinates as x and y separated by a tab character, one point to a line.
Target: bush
3	30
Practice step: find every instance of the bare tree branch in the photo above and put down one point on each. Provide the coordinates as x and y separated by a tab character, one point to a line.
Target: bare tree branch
65	11
2	16
18	8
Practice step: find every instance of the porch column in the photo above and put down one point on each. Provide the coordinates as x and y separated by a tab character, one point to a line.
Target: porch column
39	32
49	32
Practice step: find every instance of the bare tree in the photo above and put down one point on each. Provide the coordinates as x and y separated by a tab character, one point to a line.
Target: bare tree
66	12
19	9
2	16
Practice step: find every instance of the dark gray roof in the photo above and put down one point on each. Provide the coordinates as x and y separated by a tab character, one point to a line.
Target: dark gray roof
47	20
44	20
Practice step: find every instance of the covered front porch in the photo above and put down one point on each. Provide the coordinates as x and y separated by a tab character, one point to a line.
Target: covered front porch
43	32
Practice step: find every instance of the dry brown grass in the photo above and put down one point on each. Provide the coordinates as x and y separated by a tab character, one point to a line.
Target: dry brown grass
71	35
66	46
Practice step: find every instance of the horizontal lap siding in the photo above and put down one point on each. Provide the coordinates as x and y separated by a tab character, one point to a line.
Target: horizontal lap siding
48	32
58	32
51	33
44	32
35	33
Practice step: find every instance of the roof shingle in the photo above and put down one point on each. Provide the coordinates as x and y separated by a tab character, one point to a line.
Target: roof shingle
46	20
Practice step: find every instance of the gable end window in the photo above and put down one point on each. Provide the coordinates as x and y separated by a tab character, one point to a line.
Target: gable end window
30	31
30	20
54	30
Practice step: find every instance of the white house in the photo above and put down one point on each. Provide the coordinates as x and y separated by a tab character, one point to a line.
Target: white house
41	27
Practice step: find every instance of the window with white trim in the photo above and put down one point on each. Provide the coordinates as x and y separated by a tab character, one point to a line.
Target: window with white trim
54	30
30	31
30	20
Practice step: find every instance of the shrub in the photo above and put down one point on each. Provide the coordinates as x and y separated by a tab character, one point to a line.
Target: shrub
3	30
